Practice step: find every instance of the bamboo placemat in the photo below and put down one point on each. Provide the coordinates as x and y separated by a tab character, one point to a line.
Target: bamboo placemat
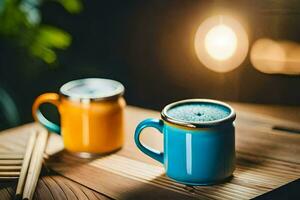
266	159
13	141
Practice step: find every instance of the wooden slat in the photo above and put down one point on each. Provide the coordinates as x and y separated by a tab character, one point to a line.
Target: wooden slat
10	162
10	168
36	163
9	178
25	164
8	174
11	156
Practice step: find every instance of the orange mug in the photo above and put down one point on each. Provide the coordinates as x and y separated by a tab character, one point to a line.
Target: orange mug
91	112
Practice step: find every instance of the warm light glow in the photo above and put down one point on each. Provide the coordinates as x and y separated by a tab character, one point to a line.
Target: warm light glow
220	42
276	57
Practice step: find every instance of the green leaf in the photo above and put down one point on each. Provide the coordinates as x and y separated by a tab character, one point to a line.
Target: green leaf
20	21
47	39
53	37
46	54
72	6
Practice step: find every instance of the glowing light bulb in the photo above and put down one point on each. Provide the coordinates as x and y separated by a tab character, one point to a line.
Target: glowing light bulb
220	42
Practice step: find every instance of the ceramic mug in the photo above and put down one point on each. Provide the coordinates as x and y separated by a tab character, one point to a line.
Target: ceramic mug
91	115
195	153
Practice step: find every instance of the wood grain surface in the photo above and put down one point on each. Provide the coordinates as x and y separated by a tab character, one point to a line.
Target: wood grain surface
266	159
52	187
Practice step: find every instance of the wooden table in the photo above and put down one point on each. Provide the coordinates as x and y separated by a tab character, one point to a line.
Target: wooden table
268	156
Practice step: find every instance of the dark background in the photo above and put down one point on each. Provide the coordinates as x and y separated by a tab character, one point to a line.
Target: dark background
148	46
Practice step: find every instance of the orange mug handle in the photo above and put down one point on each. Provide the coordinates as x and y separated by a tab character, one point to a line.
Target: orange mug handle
52	98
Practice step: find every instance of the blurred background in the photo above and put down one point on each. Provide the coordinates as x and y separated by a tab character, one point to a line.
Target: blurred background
149	46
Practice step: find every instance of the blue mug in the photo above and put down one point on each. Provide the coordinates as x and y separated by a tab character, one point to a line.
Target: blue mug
195	153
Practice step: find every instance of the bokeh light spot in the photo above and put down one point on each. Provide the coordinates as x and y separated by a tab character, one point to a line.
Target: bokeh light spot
220	42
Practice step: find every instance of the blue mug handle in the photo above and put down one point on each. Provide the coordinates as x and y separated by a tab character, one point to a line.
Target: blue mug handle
52	98
154	123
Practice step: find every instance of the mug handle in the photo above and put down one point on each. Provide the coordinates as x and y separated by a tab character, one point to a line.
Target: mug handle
52	98
154	123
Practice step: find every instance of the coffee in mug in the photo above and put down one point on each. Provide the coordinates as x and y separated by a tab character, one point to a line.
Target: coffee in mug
199	141
91	115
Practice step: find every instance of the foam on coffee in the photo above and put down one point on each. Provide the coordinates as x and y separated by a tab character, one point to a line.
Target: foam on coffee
198	112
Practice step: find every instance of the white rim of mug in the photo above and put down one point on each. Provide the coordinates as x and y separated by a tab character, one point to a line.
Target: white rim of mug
119	91
230	118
